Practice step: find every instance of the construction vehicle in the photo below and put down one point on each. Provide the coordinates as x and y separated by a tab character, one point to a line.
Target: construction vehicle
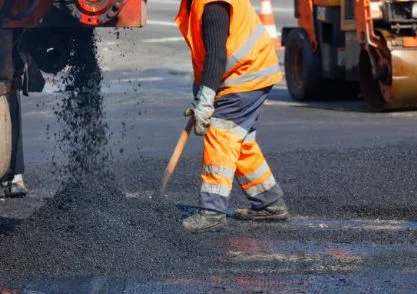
343	48
43	43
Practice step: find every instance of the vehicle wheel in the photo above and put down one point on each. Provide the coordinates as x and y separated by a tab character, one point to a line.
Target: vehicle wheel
302	67
370	87
6	136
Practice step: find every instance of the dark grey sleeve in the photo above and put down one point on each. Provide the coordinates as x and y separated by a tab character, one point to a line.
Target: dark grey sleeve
216	20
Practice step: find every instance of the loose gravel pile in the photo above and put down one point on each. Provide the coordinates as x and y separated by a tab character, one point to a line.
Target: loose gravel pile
93	229
89	227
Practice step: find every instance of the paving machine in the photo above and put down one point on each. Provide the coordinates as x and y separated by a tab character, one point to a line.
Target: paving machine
35	38
343	48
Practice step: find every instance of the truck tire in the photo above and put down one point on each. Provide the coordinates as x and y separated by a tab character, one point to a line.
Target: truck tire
5	136
369	86
302	67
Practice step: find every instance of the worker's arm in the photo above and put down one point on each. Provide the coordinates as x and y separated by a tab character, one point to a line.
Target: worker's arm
215	24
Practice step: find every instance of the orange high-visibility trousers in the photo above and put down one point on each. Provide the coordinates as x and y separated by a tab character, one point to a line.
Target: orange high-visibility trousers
230	150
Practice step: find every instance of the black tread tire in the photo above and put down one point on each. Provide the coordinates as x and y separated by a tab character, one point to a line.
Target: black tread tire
302	67
369	87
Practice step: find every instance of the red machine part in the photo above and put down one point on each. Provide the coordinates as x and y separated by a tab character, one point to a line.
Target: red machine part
23	13
97	12
304	13
112	13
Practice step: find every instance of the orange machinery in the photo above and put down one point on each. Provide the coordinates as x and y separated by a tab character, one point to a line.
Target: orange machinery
44	25
40	32
61	13
346	47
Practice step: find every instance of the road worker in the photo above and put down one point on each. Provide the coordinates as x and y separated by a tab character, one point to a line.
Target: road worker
14	185
235	66
11	70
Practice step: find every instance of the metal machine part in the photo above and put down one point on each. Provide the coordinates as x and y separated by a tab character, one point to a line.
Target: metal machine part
49	47
388	70
96	12
414	10
70	13
370	42
403	90
396	87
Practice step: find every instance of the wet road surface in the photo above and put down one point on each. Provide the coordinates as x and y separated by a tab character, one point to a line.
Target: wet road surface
349	177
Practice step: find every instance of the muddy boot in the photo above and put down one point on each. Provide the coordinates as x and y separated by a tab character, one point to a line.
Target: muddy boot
14	188
277	211
205	221
5	189
18	188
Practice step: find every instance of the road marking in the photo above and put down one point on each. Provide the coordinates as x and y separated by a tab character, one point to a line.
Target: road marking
238	256
173	24
142	194
284	103
131	80
111	43
164	40
355	224
161	23
176	2
406	114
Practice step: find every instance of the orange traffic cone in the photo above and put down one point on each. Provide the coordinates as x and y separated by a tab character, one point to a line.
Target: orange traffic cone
268	20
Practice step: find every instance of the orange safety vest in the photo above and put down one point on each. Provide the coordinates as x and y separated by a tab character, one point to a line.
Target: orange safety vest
252	62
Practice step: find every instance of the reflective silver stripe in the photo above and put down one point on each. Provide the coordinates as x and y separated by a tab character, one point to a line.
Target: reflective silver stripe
256	174
219	170
216	189
250	137
266	186
253	76
228	125
246	48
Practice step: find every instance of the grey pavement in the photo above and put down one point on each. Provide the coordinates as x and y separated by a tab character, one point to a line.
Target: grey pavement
348	174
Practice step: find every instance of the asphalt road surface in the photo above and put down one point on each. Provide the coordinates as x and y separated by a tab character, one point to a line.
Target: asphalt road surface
348	175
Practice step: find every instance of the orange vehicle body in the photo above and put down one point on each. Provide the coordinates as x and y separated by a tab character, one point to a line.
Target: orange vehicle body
39	36
372	42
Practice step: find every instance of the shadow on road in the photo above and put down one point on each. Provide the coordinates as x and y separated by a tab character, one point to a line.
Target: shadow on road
281	96
7	225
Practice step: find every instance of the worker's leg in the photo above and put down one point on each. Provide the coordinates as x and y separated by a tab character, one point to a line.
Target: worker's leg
17	164
6	77
234	116
16	184
254	175
221	151
258	183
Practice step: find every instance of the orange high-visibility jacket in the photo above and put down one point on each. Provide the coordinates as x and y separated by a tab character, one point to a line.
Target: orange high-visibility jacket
252	62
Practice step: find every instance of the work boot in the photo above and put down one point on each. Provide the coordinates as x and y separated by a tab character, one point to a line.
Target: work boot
277	211
15	188
205	221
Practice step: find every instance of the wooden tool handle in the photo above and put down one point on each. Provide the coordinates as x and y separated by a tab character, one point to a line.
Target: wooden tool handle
176	154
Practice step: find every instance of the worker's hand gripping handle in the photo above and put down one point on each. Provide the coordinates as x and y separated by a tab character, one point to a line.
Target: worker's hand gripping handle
176	154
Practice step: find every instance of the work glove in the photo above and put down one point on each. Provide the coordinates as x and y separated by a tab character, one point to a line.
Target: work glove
202	109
